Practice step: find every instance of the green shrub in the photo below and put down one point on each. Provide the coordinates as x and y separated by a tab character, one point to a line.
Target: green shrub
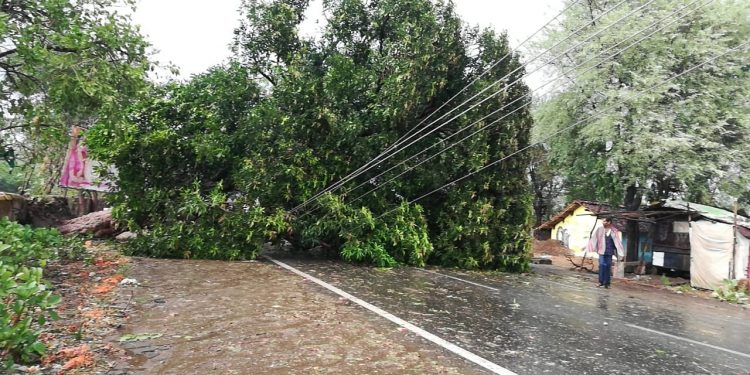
26	305
731	292
20	244
665	280
27	302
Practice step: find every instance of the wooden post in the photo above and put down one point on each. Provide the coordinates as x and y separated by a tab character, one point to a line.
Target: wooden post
94	201
583	260
79	206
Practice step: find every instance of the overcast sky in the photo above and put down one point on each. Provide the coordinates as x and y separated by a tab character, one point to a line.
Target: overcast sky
195	34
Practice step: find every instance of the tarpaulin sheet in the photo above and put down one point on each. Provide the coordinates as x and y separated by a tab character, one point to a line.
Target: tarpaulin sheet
711	253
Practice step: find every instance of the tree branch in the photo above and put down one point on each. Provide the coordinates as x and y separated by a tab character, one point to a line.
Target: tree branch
10	70
23	126
8	52
61	49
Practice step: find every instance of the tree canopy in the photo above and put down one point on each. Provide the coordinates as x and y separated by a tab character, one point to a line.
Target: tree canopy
689	137
291	115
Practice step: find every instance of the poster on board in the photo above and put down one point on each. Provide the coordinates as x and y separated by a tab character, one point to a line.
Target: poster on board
81	172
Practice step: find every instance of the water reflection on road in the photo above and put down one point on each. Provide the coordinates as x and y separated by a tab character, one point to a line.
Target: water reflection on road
535	324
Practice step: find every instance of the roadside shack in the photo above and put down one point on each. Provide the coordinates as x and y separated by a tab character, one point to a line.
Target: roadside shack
709	243
712	243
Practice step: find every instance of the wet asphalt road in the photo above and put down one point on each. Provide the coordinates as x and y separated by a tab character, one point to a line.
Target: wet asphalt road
537	324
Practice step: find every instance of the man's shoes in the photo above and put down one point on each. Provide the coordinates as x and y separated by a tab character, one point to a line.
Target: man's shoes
601	285
606	286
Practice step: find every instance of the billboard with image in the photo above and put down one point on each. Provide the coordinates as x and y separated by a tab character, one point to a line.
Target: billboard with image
81	172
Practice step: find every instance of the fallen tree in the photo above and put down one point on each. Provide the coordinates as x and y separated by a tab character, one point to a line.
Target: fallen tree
100	224
212	167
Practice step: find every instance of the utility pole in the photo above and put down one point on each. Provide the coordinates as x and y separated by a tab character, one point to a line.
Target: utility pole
734	243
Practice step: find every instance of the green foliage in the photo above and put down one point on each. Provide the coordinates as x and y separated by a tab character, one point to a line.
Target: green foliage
197	225
64	63
20	244
292	115
731	292
399	238
665	280
688	137
467	235
27	303
81	56
684	288
176	160
10	179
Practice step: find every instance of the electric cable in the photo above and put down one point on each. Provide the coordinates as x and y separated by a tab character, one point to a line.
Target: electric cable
377	161
560	131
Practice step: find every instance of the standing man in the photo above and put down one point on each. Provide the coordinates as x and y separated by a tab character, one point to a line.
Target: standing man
607	242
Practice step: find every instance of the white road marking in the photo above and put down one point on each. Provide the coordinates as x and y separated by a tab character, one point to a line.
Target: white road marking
469	356
460	279
689	340
626	324
489	287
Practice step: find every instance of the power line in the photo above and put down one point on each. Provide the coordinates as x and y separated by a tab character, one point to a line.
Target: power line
528	103
343	181
486	71
369	164
402	138
643	92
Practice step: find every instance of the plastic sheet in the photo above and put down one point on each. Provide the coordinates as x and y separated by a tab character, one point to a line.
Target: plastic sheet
711	254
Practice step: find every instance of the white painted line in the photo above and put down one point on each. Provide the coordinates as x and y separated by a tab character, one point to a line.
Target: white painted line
460	279
689	340
487	286
469	356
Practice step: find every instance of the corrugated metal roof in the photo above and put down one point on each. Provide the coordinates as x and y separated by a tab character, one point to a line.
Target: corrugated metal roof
709	212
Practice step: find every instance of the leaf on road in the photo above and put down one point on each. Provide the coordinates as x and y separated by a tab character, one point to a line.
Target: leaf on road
139	337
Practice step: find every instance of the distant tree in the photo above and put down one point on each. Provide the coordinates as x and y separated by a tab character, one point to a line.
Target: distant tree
690	137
